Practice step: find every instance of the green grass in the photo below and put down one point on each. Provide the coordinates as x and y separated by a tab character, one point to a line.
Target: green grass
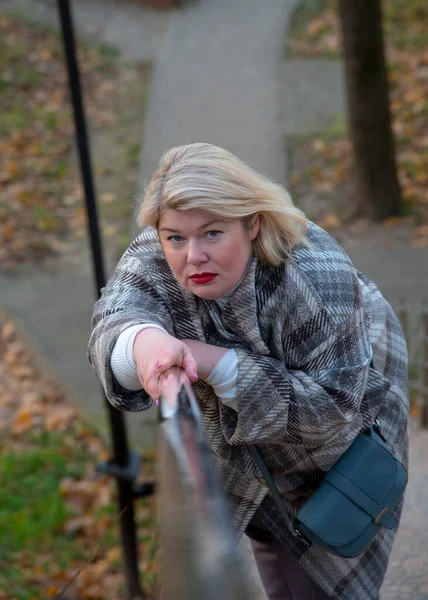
336	127
45	220
33	512
305	10
134	153
15	118
108	51
405	21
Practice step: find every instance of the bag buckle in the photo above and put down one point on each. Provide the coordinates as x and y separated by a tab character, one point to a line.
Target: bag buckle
299	536
380	516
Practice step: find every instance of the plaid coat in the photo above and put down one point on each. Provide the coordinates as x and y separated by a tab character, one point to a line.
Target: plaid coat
305	333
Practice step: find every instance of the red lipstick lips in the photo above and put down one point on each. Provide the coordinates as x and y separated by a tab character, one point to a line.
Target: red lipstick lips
202	278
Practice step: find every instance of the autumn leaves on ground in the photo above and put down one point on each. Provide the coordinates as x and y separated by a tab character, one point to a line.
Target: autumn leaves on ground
42	213
322	172
58	517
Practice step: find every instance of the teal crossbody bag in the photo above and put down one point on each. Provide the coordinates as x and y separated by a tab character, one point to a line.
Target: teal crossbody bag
356	497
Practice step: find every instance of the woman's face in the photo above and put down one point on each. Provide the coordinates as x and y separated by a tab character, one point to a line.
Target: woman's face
208	257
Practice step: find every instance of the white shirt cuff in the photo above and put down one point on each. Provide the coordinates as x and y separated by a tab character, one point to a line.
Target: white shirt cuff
122	363
223	378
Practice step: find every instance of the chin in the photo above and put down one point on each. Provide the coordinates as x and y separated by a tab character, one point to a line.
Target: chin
205	293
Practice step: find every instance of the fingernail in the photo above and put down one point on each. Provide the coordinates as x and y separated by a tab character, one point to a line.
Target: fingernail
195	375
157	402
160	365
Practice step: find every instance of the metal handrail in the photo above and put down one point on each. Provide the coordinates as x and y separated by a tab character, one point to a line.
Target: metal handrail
200	559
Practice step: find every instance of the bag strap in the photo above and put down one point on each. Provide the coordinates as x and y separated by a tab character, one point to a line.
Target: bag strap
273	490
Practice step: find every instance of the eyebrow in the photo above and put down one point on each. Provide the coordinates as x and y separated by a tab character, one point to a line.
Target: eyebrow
200	228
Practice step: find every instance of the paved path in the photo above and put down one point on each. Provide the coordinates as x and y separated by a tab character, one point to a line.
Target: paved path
217	79
407	575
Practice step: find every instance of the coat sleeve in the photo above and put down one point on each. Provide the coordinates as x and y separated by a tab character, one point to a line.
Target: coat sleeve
321	406
130	298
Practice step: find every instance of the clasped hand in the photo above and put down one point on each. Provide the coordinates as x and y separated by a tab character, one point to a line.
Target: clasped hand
163	362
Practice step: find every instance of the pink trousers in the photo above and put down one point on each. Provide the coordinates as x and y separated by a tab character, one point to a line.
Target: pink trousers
282	575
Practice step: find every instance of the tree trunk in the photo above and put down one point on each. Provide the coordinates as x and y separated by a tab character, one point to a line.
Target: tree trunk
377	188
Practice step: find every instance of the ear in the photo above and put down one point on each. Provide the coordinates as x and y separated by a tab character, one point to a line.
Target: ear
254	227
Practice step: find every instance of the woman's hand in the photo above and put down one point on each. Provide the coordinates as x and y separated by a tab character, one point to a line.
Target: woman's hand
155	352
206	356
170	383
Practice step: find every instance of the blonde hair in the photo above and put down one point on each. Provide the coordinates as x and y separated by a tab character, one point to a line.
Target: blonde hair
209	179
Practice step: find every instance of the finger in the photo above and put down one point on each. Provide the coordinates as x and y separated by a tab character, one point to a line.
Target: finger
170	384
173	377
183	377
158	368
189	365
160	365
150	385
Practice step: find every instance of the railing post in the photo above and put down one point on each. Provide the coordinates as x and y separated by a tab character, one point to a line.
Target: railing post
424	368
125	464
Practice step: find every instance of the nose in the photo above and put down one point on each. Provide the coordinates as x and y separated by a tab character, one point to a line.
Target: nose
195	253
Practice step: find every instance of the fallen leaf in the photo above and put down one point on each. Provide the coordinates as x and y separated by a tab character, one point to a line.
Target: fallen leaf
78	525
22	422
9	231
330	222
419	243
60	417
7	331
111	230
52	590
319	145
394	222
24	372
421	231
114	554
325	186
107	198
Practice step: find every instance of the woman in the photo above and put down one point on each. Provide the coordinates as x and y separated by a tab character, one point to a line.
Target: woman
286	344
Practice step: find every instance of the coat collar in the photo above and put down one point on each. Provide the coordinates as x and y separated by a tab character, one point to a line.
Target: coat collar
240	310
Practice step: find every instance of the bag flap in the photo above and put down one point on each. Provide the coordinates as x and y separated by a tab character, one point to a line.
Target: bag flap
332	516
372	468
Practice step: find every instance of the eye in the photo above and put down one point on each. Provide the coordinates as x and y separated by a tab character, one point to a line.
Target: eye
212	235
175	239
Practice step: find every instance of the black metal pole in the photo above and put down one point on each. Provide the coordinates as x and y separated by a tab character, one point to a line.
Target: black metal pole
122	458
